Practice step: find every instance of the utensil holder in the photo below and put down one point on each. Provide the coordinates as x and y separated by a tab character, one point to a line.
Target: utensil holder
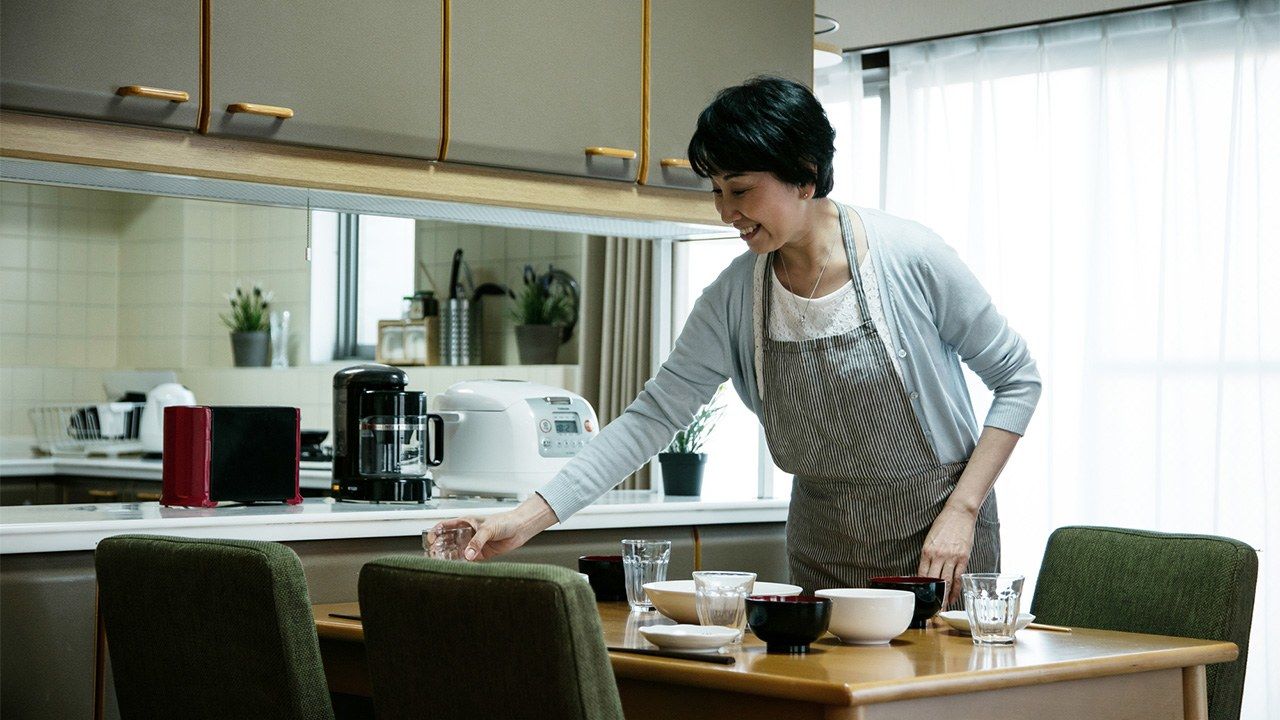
459	332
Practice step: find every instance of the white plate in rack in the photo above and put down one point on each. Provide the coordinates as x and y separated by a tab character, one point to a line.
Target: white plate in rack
689	637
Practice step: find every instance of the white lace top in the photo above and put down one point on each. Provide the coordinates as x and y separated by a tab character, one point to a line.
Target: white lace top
832	314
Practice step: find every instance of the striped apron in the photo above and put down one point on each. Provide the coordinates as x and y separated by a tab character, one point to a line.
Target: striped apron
868	485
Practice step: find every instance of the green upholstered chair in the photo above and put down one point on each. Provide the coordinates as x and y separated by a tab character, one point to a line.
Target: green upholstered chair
1197	586
451	639
209	629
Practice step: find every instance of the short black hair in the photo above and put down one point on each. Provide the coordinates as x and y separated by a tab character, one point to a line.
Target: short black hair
767	124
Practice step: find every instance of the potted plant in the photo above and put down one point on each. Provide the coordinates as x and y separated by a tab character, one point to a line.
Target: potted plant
683	462
248	321
546	311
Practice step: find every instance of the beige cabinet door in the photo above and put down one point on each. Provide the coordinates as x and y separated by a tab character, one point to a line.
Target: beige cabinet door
698	48
535	83
69	57
354	75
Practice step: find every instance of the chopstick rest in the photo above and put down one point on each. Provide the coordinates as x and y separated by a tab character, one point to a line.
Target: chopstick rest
678	655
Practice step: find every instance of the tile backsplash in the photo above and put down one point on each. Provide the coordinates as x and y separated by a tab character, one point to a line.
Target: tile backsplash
93	280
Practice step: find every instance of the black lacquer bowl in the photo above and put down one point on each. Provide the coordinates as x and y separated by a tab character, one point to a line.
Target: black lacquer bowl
788	623
930	592
604	572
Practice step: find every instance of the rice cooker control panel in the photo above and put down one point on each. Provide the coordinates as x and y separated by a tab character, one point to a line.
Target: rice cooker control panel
564	425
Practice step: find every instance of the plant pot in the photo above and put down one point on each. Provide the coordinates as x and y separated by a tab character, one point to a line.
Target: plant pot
538	344
682	473
250	349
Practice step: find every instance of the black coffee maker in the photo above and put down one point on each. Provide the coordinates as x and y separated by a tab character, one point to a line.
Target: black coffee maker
381	448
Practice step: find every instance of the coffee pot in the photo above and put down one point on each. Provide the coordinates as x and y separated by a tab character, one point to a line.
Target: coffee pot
384	439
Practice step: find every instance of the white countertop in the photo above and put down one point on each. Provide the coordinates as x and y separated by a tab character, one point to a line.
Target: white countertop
62	528
311	476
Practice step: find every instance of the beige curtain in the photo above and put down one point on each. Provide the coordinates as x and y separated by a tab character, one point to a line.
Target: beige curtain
617	329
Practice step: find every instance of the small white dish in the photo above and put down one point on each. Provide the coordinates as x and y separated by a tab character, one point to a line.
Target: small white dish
689	637
959	620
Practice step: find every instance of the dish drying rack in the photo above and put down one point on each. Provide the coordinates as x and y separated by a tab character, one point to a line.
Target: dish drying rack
80	429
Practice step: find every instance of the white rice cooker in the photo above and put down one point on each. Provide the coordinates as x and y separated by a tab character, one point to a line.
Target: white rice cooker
506	438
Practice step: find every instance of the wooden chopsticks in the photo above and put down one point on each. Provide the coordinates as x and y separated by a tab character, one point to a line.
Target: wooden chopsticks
678	655
1050	628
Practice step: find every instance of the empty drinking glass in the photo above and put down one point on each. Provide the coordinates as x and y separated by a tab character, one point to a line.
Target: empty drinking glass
720	598
449	544
644	561
992	602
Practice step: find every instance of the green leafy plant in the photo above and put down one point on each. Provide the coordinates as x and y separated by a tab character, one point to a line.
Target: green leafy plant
543	300
691	438
249	311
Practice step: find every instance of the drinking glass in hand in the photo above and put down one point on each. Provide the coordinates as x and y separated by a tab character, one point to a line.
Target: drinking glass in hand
721	598
644	561
447	544
992	602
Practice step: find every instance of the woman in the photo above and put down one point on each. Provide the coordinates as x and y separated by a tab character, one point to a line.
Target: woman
842	330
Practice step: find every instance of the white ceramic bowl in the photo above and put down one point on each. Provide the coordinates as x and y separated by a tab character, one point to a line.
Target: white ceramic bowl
675	598
959	620
869	616
689	637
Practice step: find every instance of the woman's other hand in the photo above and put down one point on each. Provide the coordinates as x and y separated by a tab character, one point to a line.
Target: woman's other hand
504	532
946	548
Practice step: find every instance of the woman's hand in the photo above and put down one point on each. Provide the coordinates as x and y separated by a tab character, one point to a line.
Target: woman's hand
946	548
504	532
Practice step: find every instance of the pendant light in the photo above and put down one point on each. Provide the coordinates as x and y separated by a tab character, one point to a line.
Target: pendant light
825	54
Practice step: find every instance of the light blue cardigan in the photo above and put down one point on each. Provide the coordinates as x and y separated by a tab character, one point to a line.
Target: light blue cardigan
937	312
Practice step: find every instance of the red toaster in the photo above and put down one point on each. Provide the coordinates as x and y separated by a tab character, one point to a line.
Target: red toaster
242	454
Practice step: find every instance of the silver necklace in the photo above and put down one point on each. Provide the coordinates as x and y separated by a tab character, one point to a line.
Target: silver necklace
804	315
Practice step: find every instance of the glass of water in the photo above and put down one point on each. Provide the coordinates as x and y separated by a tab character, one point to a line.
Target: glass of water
447	544
644	561
992	601
720	598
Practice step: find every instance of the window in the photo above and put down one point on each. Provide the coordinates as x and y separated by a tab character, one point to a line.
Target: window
362	268
734	448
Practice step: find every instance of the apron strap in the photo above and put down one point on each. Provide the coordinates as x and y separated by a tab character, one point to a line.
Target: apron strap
853	234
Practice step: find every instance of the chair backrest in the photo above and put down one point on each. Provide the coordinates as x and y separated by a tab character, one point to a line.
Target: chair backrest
452	639
209	629
1197	586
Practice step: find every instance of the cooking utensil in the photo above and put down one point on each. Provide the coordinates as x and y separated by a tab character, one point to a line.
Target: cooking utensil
678	655
453	274
490	288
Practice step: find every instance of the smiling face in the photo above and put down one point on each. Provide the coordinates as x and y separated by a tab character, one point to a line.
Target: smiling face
767	212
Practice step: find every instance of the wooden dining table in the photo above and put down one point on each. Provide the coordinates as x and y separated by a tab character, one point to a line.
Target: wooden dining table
936	672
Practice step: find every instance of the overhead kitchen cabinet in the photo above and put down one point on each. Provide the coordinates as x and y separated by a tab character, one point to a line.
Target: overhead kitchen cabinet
330	73
547	85
698	48
135	61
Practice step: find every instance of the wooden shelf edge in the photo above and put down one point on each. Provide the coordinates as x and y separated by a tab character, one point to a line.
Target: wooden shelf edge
100	144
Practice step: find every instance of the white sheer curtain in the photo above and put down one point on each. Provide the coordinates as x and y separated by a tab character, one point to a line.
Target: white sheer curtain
1115	182
856	119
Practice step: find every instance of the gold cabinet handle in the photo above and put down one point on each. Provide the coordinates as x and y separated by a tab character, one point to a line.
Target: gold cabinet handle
612	152
175	96
148	496
283	113
104	494
676	162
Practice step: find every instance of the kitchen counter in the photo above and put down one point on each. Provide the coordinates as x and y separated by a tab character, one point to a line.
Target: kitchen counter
63	528
311	476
